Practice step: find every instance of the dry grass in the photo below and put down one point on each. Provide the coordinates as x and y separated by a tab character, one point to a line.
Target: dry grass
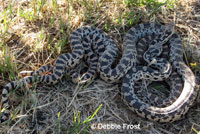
34	33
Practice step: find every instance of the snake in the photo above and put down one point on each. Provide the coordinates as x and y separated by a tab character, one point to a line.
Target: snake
152	96
100	52
176	109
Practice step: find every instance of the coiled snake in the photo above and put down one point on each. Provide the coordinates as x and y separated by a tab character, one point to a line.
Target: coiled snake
100	52
180	106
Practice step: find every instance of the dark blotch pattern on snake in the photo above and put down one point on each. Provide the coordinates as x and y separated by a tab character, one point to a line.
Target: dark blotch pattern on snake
180	106
100	52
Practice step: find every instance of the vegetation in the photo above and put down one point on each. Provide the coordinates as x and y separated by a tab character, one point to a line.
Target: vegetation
34	33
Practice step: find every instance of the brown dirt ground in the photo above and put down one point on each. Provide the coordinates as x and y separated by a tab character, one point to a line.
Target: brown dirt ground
38	109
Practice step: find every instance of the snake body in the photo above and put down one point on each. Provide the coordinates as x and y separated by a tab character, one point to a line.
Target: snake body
81	40
180	106
100	52
152	96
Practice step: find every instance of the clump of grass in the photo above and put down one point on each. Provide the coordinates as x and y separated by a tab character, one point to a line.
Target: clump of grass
7	63
63	38
4	18
152	6
82	127
26	14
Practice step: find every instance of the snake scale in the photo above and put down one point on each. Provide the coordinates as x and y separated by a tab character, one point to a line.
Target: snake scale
100	52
